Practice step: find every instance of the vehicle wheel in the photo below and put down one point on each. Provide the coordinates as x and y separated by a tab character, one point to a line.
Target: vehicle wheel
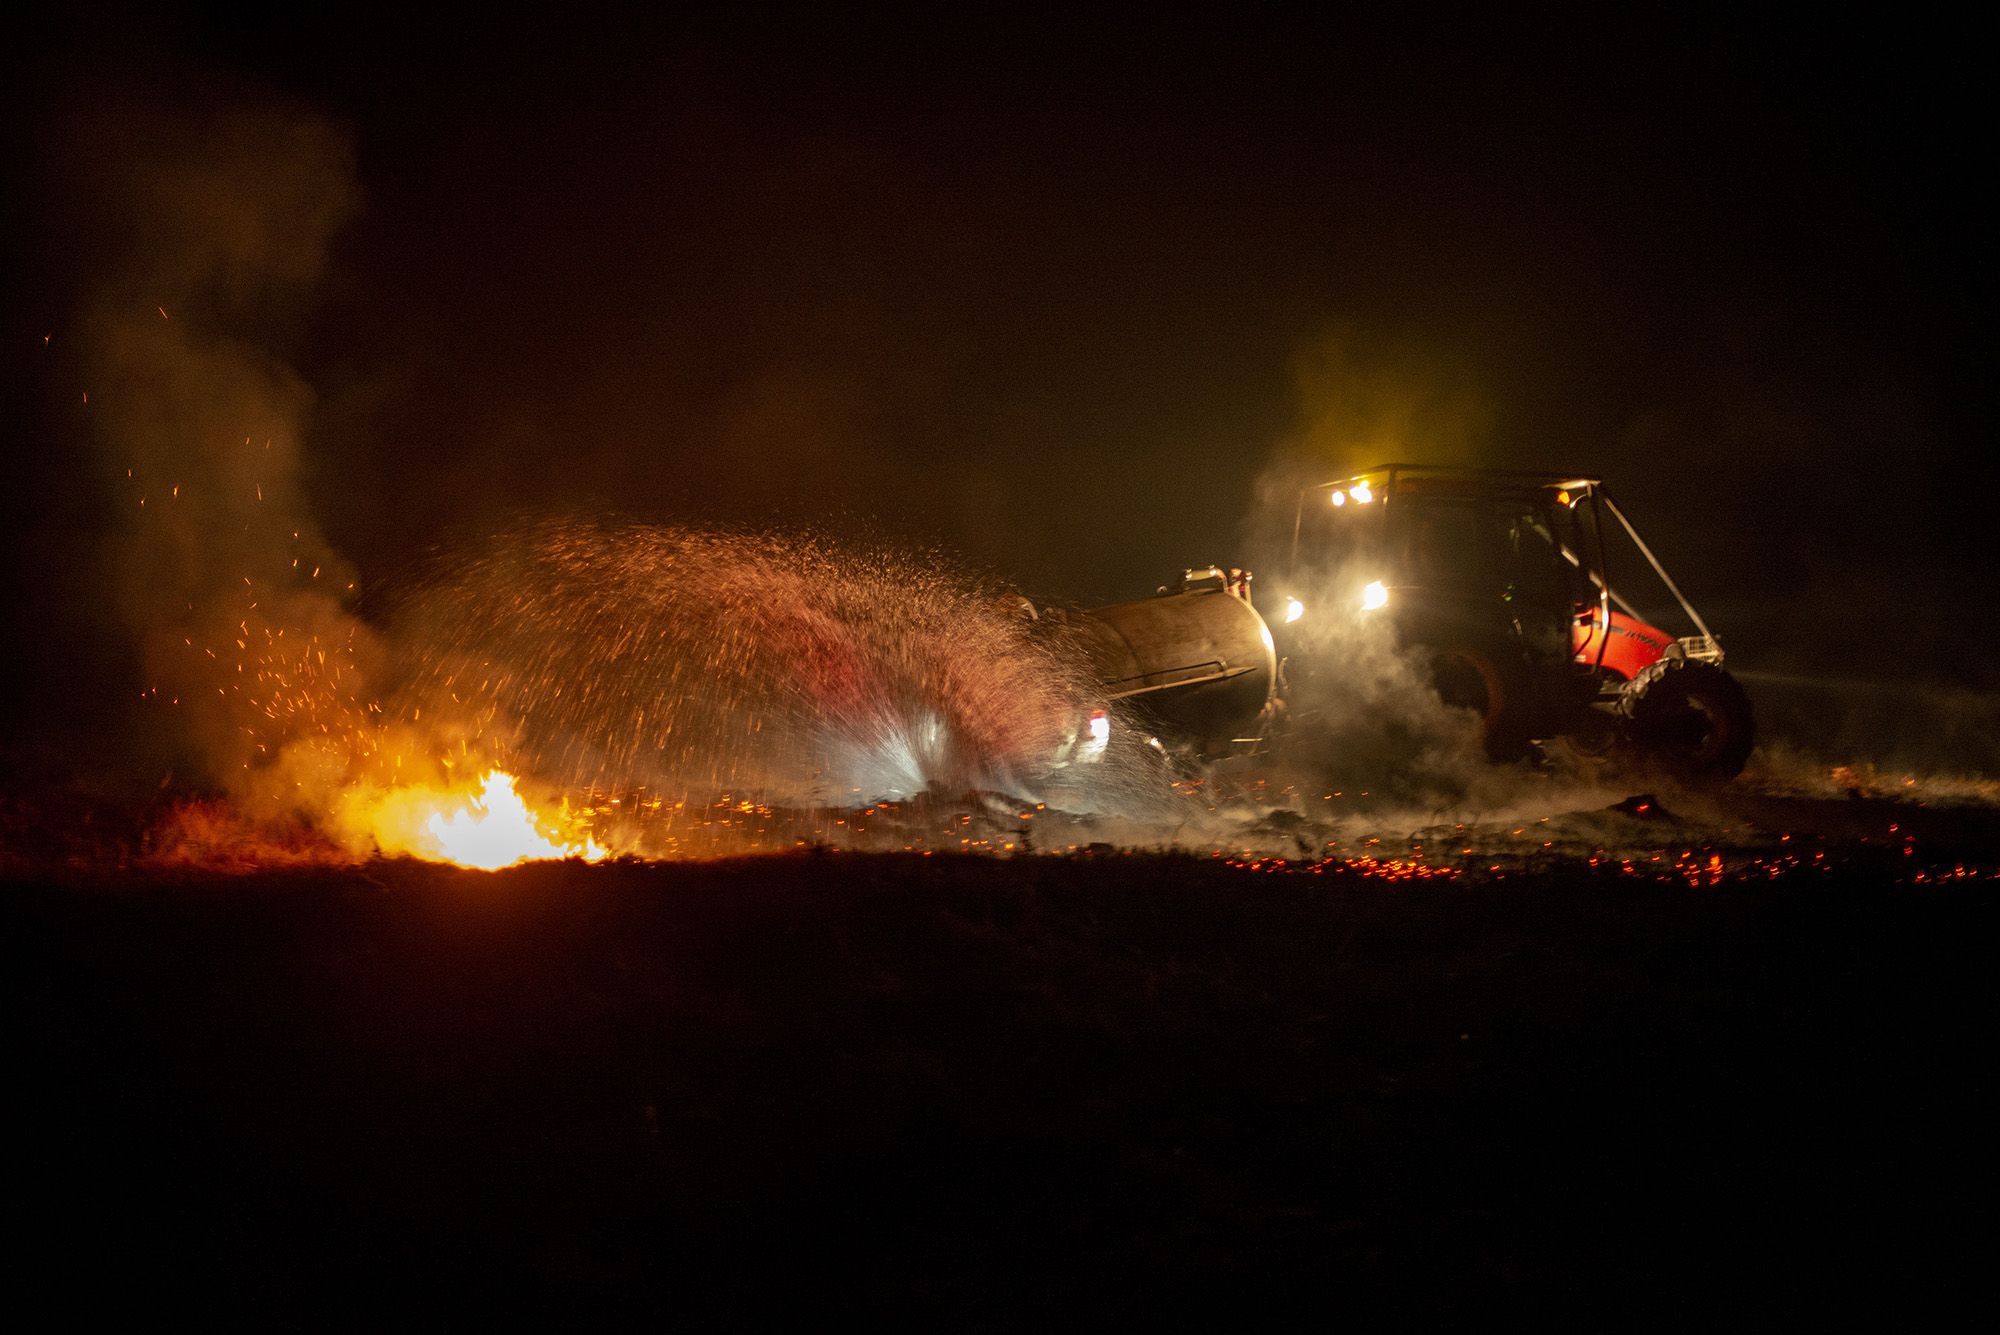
1591	747
1690	718
1485	680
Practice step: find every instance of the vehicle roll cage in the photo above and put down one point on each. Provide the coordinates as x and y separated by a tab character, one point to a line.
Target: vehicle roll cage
1381	483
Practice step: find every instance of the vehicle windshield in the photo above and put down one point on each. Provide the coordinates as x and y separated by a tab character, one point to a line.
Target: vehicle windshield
1333	537
1518	546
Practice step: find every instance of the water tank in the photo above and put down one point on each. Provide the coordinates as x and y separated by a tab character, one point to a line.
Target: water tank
1196	666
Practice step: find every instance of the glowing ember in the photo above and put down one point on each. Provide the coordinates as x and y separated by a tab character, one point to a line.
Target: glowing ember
490	829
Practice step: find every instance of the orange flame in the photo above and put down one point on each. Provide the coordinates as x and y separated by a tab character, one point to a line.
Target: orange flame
489	829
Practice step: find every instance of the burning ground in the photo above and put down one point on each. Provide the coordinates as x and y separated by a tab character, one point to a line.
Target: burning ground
1550	1046
595	687
808	985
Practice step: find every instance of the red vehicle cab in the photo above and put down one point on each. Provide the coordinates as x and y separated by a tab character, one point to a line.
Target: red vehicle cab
1634	646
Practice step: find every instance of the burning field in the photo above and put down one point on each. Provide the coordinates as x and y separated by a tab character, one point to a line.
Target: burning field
637	921
585	687
605	916
814	997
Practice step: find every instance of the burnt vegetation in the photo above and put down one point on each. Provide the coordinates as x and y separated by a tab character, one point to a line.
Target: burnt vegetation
990	1092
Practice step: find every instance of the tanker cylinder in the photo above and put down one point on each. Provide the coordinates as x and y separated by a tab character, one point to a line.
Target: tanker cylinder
1196	666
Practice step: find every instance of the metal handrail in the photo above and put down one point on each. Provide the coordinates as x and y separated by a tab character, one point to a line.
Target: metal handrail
1661	571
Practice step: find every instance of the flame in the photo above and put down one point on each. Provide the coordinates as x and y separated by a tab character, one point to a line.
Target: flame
489	829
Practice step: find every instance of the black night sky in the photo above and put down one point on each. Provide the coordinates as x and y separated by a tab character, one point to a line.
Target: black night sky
1054	293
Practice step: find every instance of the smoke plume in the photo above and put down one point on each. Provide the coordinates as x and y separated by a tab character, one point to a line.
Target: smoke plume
213	227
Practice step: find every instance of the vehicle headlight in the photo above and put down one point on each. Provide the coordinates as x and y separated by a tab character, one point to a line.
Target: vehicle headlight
1294	609
1096	738
1374	594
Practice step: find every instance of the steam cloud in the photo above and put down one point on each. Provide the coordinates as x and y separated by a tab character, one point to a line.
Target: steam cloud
611	655
1365	713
